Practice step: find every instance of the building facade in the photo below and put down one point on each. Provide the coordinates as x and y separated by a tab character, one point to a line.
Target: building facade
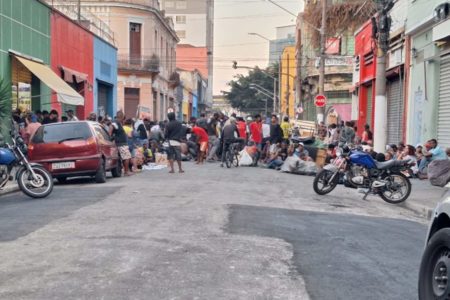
194	24
191	94
396	74
428	30
285	37
72	58
105	78
146	42
287	82
24	29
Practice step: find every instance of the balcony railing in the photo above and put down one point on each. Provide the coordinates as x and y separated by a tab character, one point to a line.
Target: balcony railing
149	64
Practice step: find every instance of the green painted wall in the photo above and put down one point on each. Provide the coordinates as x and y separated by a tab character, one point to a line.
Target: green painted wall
25	28
424	90
425	67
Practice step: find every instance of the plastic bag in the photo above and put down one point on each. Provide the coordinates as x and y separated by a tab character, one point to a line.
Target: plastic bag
245	159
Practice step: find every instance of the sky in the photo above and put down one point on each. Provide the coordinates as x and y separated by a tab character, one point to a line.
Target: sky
233	20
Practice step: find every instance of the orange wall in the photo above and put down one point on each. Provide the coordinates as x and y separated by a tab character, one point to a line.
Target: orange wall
190	58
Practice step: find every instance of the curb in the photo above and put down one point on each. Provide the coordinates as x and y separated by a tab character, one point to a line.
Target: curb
9	189
422	211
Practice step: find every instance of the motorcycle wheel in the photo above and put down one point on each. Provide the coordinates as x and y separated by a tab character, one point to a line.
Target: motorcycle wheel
433	283
41	187
322	185
396	184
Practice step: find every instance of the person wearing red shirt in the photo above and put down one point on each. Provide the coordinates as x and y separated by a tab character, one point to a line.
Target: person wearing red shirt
202	140
256	131
242	128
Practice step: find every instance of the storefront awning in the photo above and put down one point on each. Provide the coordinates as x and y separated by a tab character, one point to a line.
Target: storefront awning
65	93
70	74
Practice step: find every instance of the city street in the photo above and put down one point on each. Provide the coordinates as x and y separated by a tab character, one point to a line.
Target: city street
211	233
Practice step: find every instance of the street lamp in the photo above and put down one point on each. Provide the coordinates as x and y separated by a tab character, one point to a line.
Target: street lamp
257	34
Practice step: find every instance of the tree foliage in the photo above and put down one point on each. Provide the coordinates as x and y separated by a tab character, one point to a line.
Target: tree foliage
246	99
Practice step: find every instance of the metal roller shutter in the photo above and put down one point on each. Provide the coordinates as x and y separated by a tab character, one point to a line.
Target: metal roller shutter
444	104
395	112
369	106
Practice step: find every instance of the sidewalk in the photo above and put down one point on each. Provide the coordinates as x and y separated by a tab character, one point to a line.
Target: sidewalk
10	187
424	197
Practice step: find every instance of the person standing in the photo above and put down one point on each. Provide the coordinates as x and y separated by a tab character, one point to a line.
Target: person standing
242	128
367	136
230	135
213	139
286	127
256	131
174	133
32	127
276	133
120	138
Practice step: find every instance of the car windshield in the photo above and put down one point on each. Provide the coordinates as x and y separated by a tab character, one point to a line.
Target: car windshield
56	133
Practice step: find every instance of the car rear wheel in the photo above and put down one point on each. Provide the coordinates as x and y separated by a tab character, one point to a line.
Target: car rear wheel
435	267
117	171
100	176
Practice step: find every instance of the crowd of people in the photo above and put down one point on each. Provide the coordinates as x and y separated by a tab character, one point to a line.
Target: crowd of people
268	142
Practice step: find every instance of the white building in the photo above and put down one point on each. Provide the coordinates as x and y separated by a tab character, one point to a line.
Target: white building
194	25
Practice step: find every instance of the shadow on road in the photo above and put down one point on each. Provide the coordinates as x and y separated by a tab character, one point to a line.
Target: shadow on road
342	256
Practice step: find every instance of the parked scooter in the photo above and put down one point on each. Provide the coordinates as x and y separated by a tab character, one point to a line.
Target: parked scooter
357	169
33	179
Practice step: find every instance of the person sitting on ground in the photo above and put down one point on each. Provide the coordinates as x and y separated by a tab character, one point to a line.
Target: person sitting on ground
304	157
331	153
301	150
388	156
148	154
434	152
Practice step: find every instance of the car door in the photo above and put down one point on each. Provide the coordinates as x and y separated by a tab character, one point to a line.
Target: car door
104	145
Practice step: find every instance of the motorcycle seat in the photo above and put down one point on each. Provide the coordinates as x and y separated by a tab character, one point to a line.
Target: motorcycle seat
390	164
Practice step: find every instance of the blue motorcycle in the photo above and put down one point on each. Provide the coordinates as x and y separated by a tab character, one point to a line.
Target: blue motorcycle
357	169
33	179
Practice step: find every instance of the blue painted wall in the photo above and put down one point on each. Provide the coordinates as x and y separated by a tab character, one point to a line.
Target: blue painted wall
195	105
105	72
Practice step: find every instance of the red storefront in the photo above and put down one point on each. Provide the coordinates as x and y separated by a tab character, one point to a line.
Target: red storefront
365	52
72	58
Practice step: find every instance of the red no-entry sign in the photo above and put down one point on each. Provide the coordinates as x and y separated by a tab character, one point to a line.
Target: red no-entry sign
320	101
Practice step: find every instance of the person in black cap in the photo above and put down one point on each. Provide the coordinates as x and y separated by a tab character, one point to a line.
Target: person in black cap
70	116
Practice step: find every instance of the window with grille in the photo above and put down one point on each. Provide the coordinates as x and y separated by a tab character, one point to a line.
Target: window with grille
181	19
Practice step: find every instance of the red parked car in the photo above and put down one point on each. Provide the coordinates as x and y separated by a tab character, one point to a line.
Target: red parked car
73	149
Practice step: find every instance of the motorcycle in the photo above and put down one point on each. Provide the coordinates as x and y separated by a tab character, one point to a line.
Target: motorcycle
33	179
357	169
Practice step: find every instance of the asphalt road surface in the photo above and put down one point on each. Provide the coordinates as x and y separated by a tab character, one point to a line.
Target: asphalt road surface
342	256
211	233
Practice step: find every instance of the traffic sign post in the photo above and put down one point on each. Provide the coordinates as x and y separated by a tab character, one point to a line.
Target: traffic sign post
320	101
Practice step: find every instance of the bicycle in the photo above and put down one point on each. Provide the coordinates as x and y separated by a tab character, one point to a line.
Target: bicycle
232	155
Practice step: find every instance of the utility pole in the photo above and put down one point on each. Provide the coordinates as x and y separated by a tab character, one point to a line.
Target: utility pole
79	11
384	24
321	110
288	92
